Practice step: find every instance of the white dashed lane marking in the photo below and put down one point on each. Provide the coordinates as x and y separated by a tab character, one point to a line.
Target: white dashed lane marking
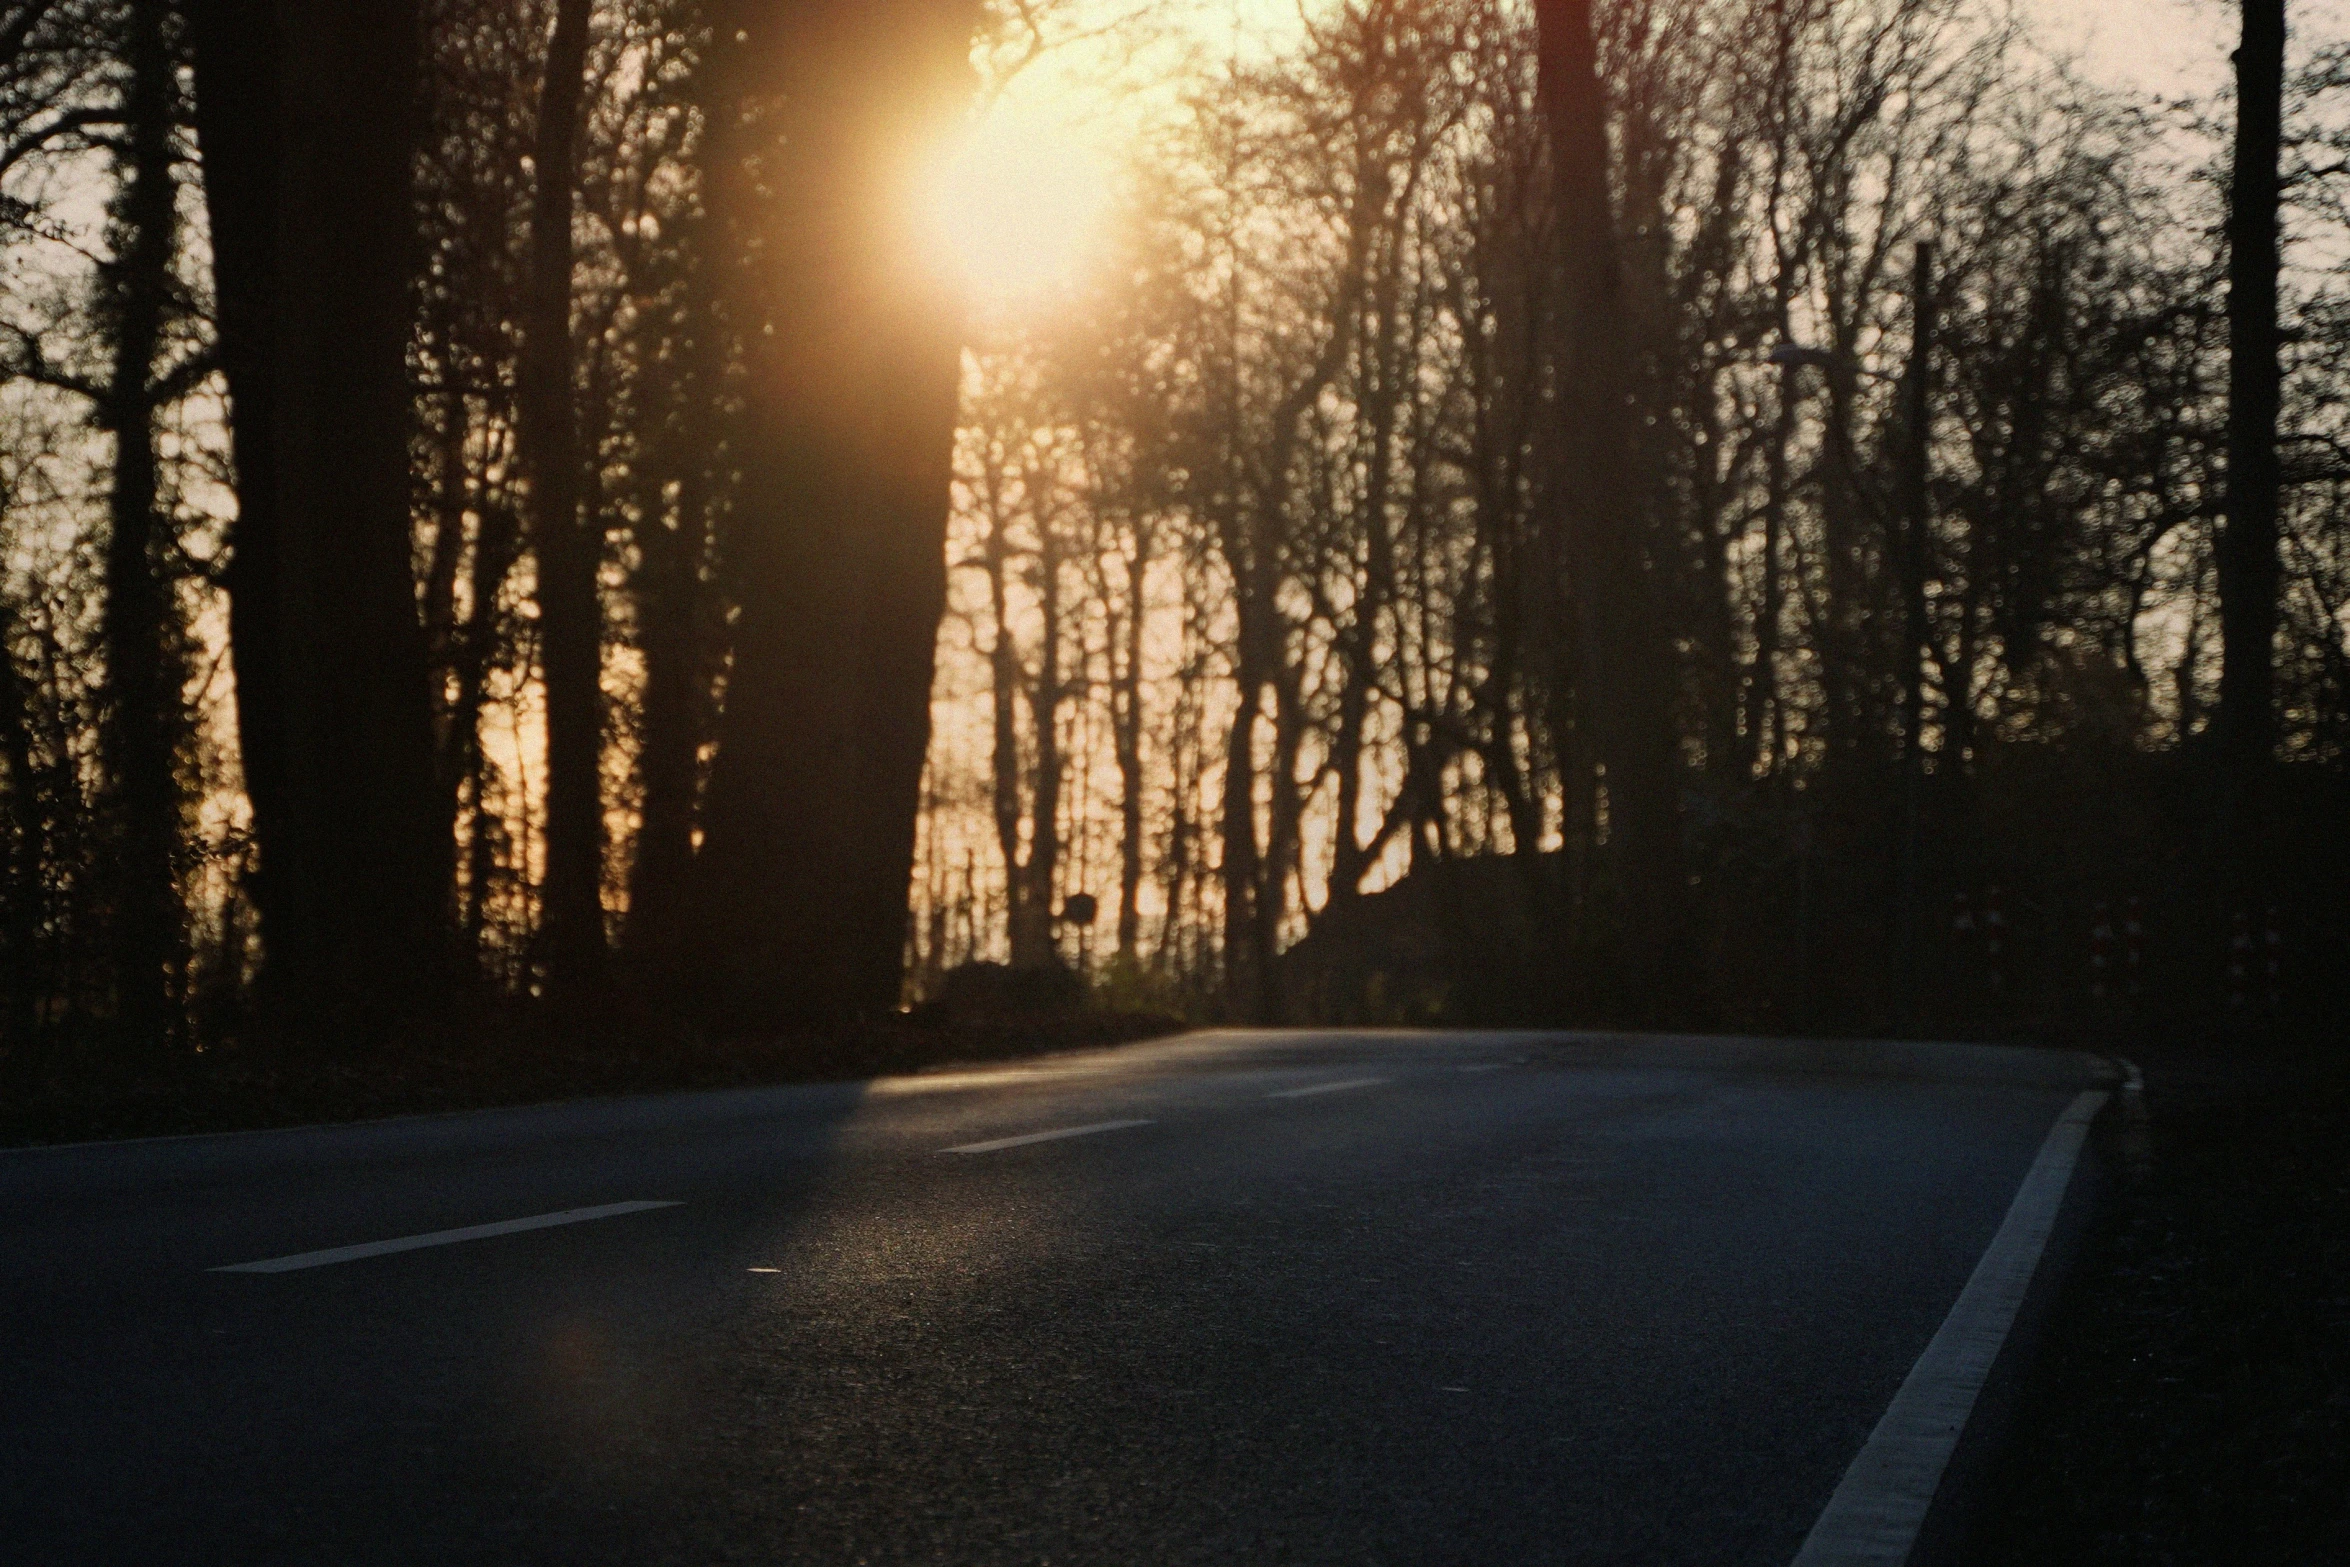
471	1232
1025	1138
1329	1088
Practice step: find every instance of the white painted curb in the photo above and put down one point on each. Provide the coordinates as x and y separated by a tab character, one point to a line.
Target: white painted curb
1874	1517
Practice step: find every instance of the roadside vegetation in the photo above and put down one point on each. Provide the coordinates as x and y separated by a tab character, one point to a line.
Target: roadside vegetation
2189	1399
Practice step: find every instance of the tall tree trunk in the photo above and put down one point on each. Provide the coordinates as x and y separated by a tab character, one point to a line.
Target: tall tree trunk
1126	725
680	636
1626	668
309	117
237	126
25	834
569	545
1243	862
142	695
2248	568
1032	910
1283	842
1913	547
1766	718
837	549
1350	857
1006	681
1912	543
465	766
675	628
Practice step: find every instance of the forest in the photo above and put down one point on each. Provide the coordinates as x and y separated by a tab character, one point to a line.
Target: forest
1794	516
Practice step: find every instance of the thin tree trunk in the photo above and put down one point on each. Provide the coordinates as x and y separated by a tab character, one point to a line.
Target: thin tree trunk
22	893
495	547
1766	717
1284	843
451	486
682	643
1007	677
569	546
1032	911
1126	717
675	624
1243	982
1350	857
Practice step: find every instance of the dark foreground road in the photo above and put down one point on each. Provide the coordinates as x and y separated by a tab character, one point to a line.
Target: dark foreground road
1330	1298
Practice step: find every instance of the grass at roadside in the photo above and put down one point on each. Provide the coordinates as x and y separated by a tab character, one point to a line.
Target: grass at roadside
222	1090
2190	1399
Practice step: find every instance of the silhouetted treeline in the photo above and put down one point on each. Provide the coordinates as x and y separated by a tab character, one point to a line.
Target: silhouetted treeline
1705	541
1670	511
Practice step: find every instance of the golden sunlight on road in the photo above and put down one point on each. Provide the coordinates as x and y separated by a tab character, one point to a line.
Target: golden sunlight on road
1013	202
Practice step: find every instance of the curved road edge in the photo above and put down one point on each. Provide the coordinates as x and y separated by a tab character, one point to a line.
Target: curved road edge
1907	1498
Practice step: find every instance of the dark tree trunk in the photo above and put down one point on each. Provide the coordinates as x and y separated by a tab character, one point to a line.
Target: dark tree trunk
308	115
22	893
1006	678
237	126
1032	910
1766	718
2248	568
1625	671
836	558
569	545
1912	555
1126	726
1350	857
1912	543
680	636
465	768
1243	866
675	629
142	693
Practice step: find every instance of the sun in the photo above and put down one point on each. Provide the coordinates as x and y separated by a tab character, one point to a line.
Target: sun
1013	202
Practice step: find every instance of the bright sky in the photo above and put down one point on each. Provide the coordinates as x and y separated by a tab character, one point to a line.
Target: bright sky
2169	48
1019	201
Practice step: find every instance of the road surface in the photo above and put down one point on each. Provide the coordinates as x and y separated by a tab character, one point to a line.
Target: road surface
1362	1298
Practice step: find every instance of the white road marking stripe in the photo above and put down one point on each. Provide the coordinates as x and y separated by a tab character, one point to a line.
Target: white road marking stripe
471	1232
1487	1066
933	1082
1874	1517
1026	1138
1330	1088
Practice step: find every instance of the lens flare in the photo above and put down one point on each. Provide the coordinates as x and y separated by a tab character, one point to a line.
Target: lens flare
1013	204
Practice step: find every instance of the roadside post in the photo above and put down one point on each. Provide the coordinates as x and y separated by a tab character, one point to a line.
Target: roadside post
2239	961
2272	942
2100	952
1962	946
1994	938
2133	945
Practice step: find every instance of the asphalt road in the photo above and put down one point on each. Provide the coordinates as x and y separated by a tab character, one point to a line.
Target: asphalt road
1362	1298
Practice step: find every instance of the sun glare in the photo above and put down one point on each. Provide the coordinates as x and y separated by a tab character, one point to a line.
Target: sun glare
1014	203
